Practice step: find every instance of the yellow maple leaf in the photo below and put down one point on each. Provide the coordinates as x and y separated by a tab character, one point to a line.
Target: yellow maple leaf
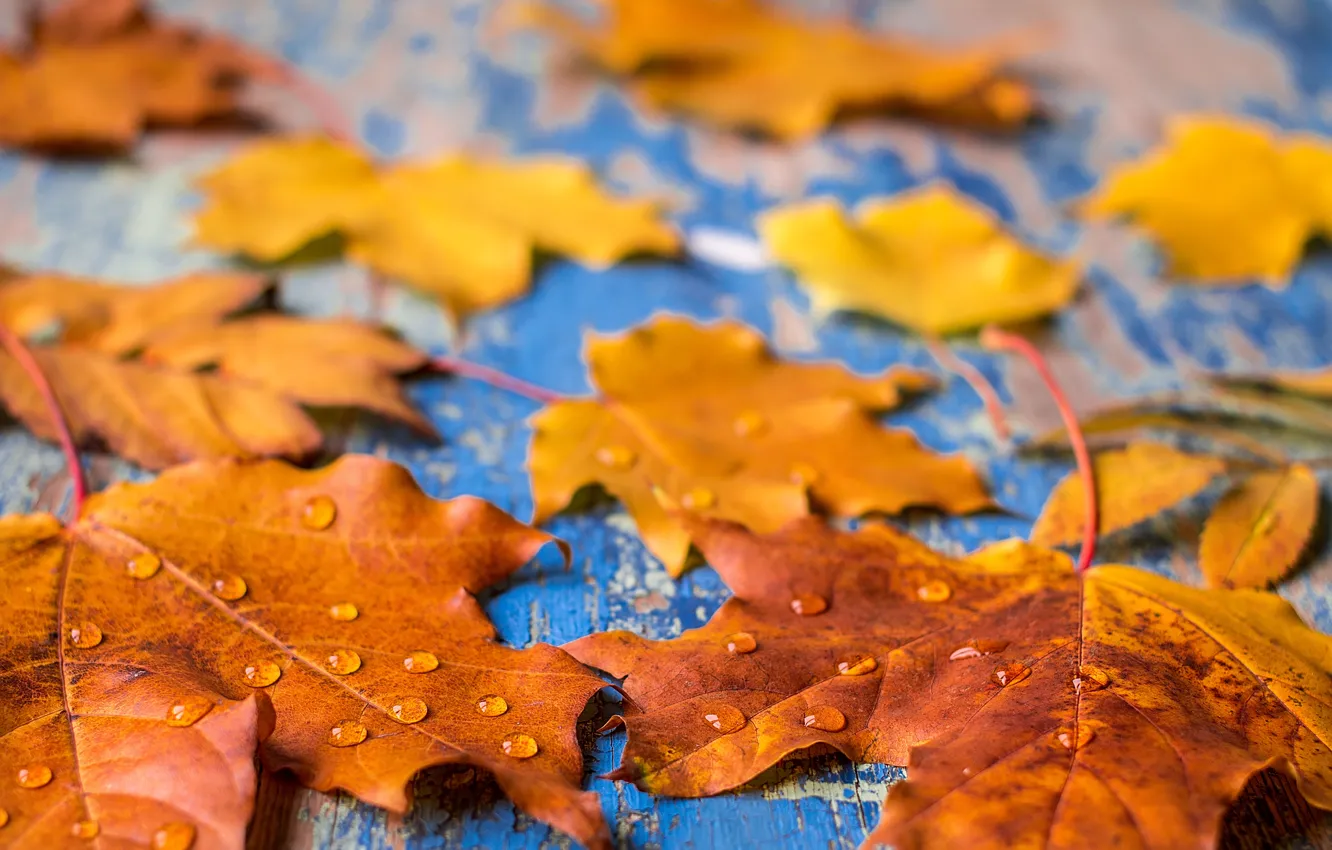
1228	200
930	260
460	229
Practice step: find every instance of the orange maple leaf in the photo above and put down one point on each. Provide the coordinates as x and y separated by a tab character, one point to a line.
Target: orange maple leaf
338	601
1033	706
128	368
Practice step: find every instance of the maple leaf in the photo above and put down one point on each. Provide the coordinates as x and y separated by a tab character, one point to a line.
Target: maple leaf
1033	706
930	260
1132	484
741	64
127	368
461	229
96	72
1259	529
341	599
706	417
1227	199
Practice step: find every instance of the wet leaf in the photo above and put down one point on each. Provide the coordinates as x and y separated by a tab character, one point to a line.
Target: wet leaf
1227	200
1259	529
306	591
97	72
704	417
1032	706
743	64
930	260
1131	485
463	230
159	375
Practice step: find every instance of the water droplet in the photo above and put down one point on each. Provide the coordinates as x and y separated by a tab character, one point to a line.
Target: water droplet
85	829
698	499
420	661
143	565
492	705
741	643
1012	674
857	665
934	591
174	836
4	818
85	635
519	746
408	710
724	718
749	423
348	733
186	711
343	662
809	604
343	612
1266	523
976	648
261	674
1090	678
803	474
230	587
34	776
1067	741
825	718
319	513
617	457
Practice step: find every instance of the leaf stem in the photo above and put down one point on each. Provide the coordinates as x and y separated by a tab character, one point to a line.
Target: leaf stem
951	361
1000	340
12	344
495	378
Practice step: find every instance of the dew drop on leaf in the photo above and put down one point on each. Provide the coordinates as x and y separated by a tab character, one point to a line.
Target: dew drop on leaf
616	457
261	674
174	836
319	513
143	565
698	499
857	665
803	474
825	718
85	635
740	643
85	829
976	648
33	776
1090	678
230	587
4	818
724	718
1067	740
749	423
1011	674
343	662
408	710
809	604
348	733
492	705
934	591
420	661
186	711
519	746
343	612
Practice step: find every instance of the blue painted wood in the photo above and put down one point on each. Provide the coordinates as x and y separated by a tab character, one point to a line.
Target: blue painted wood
419	76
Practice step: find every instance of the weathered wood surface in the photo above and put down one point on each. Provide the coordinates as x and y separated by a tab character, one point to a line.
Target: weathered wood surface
418	76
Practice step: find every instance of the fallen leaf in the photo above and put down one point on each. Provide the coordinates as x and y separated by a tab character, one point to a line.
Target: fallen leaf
706	417
97	72
1228	200
930	260
1259	529
340	598
1033	707
743	64
159	375
1314	383
460	229
1131	485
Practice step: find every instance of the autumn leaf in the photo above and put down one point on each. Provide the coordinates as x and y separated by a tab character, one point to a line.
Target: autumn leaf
341	598
159	375
1259	529
930	260
705	417
97	72
1033	707
1228	200
1132	484
743	64
463	230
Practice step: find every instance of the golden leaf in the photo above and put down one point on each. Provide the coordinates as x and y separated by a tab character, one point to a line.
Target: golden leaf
1259	529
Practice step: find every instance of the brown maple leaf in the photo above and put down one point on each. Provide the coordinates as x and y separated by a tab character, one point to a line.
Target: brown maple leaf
340	599
159	375
96	72
705	417
1033	706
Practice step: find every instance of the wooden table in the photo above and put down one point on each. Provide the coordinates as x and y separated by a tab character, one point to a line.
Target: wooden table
416	77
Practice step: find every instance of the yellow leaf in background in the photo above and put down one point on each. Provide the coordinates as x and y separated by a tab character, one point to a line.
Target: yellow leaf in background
1259	529
1131	485
930	260
459	229
1228	200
